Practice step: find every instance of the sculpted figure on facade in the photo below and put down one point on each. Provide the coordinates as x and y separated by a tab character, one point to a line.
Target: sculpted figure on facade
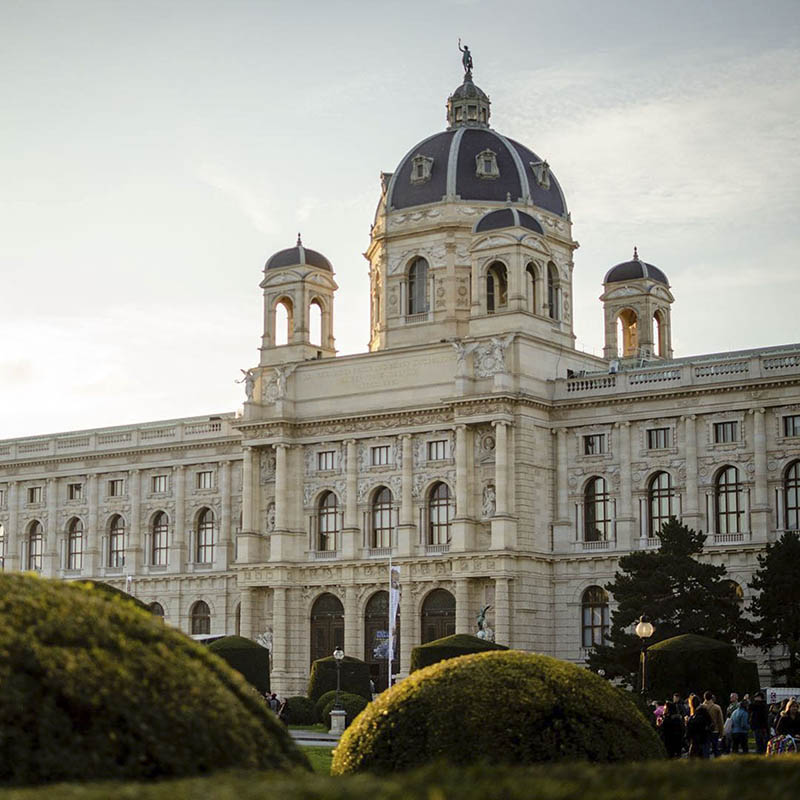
249	381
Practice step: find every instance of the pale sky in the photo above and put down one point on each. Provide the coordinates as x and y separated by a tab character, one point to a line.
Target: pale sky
153	155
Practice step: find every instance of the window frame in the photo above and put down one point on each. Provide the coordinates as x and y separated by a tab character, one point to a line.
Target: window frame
791	497
326	460
204	537
35	554
159	540
594	444
74	560
327	523
659	497
659	438
377	454
440	514
728	505
156	481
116	487
726	432
594	501
116	542
791	426
200	618
595	617
35	495
382	518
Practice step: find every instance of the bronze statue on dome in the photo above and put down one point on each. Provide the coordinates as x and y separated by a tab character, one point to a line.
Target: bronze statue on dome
466	58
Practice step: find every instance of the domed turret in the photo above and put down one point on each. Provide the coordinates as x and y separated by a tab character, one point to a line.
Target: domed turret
633	270
296	256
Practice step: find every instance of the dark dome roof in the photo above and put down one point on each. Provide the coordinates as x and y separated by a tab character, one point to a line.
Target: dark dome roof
635	269
293	256
508	218
469	90
453	172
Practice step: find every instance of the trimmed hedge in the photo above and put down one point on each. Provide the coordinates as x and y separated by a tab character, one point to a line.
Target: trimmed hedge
94	688
251	660
353	704
299	711
319	706
459	644
740	777
691	663
354	677
502	707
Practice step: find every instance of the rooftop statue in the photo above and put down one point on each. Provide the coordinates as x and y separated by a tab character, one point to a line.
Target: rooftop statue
466	58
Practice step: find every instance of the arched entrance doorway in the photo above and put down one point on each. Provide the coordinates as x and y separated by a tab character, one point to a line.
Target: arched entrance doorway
438	615
376	640
327	626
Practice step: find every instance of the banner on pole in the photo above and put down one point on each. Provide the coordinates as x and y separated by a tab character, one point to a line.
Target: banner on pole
394	604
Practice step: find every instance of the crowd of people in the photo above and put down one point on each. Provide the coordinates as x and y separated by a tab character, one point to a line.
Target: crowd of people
700	728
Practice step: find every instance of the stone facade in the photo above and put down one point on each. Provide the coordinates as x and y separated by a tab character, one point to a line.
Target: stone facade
473	444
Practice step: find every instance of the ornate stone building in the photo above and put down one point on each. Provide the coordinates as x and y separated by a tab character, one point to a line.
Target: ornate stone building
473	443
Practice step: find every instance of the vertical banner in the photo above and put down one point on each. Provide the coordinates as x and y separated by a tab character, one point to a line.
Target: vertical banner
394	604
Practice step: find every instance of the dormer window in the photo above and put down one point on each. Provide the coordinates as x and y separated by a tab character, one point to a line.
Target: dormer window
486	163
541	171
421	169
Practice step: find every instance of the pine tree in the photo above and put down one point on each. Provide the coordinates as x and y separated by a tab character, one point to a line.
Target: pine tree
676	592
776	606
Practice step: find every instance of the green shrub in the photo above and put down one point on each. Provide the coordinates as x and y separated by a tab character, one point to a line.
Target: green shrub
460	644
745	677
248	658
106	590
319	706
354	677
353	704
690	663
299	711
94	688
502	707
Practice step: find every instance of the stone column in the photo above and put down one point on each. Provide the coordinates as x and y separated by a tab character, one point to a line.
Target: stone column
406	532
280	638
13	539
247	612
135	545
92	552
502	611
281	487
503	525
760	512
462	606
351	622
351	534
407	628
222	552
462	478
177	553
50	545
624	525
248	469
693	514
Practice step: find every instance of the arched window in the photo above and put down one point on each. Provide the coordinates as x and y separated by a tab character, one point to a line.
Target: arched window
660	333
315	322
628	332
200	618
496	287
728	501
438	615
660	495
553	292
116	542
597	511
204	548
530	284
439	514
35	545
284	321
328	522
159	540
418	286
327	626
791	490
382	518
74	544
156	609
594	616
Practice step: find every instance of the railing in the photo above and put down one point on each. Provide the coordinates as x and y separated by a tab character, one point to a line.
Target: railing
200	428
437	549
34	447
156	433
658	376
649	543
602	544
725	368
66	444
380	552
728	538
781	362
323	555
114	438
591	384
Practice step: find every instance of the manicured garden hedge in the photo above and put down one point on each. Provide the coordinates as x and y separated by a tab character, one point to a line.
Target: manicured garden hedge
354	677
740	777
246	657
460	644
502	707
299	711
691	663
353	704
93	687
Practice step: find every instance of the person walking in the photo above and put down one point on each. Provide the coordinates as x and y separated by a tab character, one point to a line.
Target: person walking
717	723
672	730
759	722
698	728
740	728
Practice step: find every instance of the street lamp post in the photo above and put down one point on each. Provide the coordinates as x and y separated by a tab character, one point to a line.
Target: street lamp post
644	630
338	654
338	714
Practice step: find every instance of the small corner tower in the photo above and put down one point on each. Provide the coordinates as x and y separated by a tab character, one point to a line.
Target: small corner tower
636	303
298	287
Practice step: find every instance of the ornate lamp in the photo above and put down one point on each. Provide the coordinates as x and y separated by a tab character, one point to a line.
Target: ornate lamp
644	630
338	654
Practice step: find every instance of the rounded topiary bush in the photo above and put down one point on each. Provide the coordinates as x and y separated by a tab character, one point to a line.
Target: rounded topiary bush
94	688
353	705
459	644
354	677
249	659
299	711
322	701
502	707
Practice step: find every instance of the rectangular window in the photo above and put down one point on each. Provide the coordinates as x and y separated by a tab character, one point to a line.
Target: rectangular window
594	444
75	491
725	432
205	480
658	438
325	461
437	451
34	494
2	497
159	484
115	487
380	455
791	425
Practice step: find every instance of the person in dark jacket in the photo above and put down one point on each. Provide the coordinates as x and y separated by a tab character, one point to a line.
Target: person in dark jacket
789	720
672	730
698	728
759	722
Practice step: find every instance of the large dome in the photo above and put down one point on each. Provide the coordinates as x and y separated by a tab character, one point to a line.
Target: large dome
450	164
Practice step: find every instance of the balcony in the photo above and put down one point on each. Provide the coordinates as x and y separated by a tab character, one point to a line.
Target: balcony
323	555
437	549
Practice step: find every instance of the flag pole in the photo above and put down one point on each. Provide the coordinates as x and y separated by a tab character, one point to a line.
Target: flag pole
389	611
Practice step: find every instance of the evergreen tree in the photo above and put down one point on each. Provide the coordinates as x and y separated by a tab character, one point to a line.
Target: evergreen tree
776	606
676	592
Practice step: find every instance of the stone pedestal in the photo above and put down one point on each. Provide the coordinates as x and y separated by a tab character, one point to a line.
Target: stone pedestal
338	719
